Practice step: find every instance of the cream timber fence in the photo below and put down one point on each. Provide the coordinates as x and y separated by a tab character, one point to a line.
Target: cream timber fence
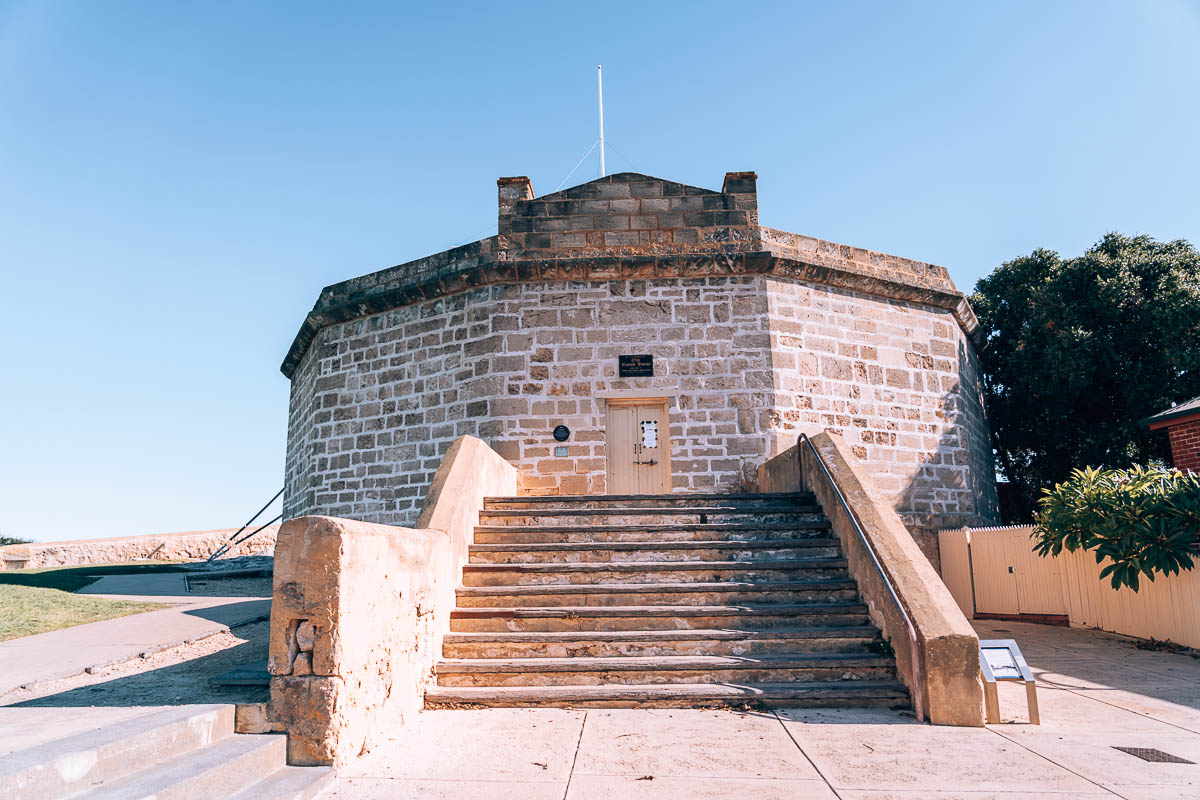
993	572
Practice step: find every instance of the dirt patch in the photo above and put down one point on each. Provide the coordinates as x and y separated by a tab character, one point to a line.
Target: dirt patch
214	586
176	676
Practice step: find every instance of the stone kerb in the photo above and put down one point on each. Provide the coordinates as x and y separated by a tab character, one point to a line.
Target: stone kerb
947	659
359	610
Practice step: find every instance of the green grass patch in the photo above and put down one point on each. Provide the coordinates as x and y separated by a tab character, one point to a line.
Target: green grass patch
26	610
72	579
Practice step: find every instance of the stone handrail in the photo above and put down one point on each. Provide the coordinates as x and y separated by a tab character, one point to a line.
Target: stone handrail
943	671
360	610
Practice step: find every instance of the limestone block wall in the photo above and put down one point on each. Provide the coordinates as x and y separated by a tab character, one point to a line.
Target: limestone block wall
748	361
376	401
900	381
186	546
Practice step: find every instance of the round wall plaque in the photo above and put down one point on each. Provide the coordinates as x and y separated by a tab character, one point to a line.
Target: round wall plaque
562	433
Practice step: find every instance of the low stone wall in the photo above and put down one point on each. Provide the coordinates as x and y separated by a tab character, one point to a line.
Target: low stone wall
354	624
941	669
186	546
359	610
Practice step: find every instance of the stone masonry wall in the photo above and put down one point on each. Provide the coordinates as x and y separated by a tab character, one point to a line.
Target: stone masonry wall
185	546
757	334
900	382
377	401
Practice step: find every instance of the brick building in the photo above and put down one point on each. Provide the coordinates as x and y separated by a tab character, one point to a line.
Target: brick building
1182	423
634	335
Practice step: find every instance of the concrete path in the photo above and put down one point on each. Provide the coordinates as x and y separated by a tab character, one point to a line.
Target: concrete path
62	653
1096	692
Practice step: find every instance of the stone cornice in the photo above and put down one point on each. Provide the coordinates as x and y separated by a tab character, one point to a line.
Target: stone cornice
489	261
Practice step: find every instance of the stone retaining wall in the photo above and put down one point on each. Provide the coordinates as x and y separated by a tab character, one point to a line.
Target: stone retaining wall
186	546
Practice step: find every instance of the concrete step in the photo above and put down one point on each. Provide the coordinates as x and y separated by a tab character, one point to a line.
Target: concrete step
651	572
65	767
813	694
586	670
648	500
702	550
624	515
221	769
692	593
289	783
739	532
604	644
650	617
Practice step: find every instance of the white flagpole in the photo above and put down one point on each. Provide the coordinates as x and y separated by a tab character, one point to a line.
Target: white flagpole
600	88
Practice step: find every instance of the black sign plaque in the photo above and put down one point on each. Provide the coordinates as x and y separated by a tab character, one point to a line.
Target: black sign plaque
639	366
561	433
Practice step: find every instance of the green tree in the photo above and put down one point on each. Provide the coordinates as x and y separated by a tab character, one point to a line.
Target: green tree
1079	350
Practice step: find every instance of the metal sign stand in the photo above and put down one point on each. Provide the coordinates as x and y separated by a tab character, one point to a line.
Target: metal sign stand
1001	660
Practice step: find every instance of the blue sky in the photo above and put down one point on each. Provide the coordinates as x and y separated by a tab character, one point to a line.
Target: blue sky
178	181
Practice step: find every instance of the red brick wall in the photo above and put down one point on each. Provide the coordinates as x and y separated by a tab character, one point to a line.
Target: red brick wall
1185	445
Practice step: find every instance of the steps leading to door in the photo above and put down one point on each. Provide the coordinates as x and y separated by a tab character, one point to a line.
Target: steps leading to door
180	752
660	600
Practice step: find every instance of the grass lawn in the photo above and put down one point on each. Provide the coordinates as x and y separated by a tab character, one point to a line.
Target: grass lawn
39	600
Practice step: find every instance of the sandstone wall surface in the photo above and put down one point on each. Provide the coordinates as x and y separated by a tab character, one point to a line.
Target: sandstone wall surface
360	610
356	623
188	546
747	363
376	402
900	381
756	334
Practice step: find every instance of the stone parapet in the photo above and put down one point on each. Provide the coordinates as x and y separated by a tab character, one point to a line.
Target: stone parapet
630	227
356	622
359	610
942	669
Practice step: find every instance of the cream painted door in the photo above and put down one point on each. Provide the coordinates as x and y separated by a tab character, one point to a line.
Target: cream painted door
638	447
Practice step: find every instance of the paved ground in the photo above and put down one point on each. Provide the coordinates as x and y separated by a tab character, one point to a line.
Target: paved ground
70	651
1096	692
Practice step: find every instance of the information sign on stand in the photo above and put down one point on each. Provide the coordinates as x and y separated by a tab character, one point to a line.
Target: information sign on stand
1001	660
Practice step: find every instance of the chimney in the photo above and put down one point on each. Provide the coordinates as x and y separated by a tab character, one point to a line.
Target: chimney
512	191
744	188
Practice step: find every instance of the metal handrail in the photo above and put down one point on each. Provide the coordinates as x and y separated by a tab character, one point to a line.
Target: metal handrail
234	541
918	705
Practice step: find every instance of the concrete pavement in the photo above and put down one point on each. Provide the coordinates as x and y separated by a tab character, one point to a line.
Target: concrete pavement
1096	692
70	651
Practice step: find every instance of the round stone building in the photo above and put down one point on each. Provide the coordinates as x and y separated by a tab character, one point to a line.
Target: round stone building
634	335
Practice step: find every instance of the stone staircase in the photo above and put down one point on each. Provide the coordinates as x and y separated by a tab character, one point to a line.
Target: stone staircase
660	600
175	753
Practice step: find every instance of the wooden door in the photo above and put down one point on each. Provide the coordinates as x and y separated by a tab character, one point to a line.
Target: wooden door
638	447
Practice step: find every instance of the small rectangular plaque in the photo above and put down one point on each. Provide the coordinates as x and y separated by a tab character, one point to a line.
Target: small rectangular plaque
639	366
1001	661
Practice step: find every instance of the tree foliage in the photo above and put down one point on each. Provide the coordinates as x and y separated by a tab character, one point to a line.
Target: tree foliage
1144	521
1079	350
